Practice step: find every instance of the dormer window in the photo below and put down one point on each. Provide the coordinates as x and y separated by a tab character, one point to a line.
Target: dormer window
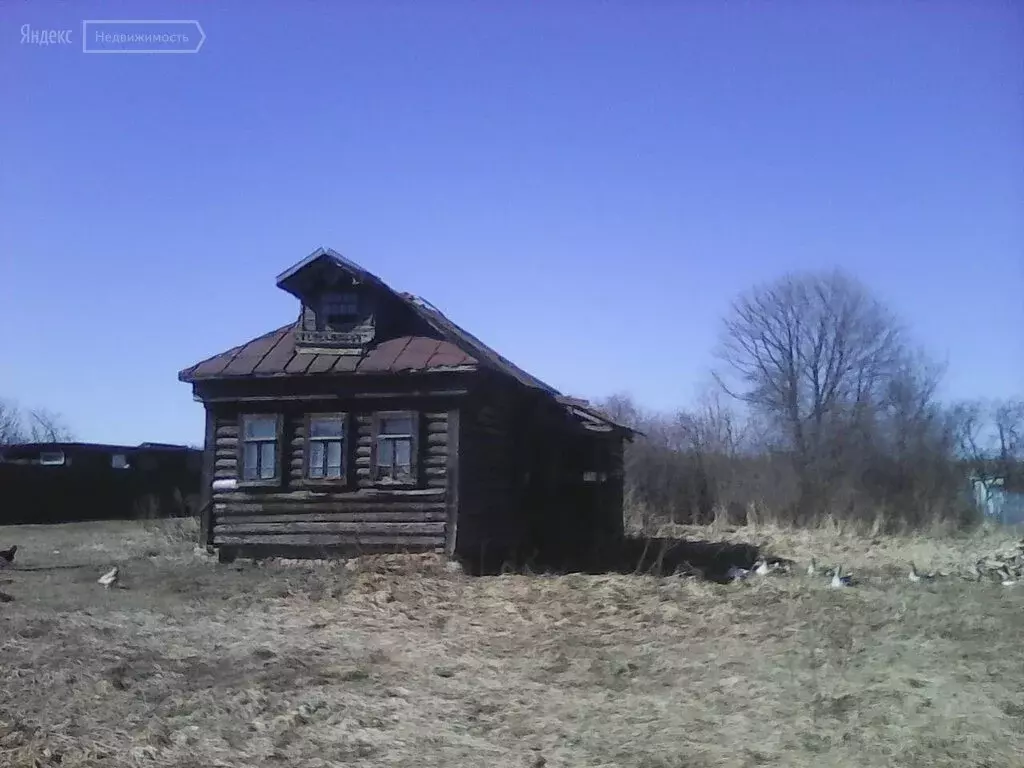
338	304
339	310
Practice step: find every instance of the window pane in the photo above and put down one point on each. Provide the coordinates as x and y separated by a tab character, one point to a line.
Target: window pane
386	453
119	461
334	459
250	461
267	464
341	303
260	427
396	425
316	459
326	427
403	454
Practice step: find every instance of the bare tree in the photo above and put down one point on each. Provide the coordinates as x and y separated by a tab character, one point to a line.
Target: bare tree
990	436
1009	424
622	409
819	358
47	427
10	423
37	425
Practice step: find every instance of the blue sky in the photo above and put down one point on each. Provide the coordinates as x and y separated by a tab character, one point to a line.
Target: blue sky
584	186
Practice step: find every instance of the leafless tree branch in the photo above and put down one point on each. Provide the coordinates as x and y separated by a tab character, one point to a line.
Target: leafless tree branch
37	425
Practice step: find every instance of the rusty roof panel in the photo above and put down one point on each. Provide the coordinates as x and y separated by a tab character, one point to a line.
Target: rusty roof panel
214	365
299	363
252	354
322	364
448	354
277	359
346	363
382	357
415	356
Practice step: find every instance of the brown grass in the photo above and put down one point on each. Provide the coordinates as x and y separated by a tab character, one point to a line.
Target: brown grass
397	661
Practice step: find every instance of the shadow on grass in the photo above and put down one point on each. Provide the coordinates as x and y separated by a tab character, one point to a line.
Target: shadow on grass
50	567
660	556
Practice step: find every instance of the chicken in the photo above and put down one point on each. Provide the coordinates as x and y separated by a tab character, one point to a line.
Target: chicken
109	578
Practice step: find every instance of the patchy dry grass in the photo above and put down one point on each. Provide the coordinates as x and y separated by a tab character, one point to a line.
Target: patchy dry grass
398	662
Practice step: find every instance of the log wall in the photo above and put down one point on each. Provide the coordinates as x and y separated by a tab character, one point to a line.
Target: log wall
359	514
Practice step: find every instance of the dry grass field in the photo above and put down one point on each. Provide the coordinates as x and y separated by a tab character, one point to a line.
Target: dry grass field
399	662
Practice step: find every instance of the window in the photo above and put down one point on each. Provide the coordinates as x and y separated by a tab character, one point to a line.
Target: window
325	446
259	448
395	447
52	458
339	309
119	461
308	318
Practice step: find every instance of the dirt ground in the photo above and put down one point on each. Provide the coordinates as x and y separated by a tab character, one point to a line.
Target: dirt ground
399	662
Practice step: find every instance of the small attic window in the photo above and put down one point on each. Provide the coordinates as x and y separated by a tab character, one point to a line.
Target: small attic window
339	309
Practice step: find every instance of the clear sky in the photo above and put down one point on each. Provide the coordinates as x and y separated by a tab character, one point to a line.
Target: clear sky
584	185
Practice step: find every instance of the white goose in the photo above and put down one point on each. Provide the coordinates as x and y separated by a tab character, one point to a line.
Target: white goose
812	569
1007	577
109	578
839	580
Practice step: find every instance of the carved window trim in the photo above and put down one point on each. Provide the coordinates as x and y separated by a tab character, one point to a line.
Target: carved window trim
276	441
346	440
385	475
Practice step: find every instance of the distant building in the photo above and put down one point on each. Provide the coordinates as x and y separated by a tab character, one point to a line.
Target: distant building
67	482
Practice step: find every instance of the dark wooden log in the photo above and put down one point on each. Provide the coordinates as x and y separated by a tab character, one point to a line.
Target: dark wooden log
273	515
369	496
452	480
361	529
206	492
436	449
329	540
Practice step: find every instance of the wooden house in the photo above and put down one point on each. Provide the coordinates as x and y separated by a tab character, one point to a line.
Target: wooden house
372	421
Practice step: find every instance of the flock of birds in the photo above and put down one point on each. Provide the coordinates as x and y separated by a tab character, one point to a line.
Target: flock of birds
1006	568
838	578
108	579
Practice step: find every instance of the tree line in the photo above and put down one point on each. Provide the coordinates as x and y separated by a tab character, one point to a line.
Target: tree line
35	425
822	407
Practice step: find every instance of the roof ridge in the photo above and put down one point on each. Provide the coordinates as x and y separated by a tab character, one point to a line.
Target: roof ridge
476	346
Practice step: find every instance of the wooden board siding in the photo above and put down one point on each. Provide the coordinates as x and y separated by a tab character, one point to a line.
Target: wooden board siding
488	516
359	513
206	491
